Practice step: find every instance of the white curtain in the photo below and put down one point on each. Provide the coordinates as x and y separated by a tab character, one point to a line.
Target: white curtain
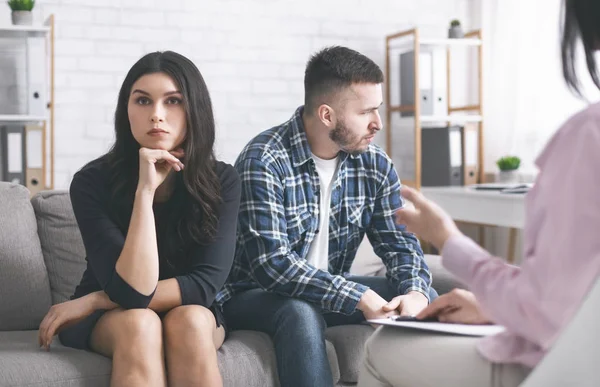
525	97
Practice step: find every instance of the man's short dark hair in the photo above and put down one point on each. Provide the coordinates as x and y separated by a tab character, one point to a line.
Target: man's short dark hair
333	69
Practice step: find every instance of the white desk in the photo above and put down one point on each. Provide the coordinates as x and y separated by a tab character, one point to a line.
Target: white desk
484	207
490	208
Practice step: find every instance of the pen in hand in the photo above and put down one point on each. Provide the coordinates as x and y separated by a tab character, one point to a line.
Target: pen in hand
413	318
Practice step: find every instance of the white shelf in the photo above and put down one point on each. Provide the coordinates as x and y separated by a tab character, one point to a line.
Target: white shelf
11	31
463	42
21	118
450	42
453	118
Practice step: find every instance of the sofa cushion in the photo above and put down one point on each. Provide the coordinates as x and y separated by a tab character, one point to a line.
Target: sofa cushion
334	363
349	342
61	242
366	262
23	363
24	288
247	358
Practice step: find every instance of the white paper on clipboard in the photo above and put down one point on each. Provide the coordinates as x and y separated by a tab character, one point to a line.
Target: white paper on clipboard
449	328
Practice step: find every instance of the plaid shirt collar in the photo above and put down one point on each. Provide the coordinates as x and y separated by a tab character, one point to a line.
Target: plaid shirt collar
300	148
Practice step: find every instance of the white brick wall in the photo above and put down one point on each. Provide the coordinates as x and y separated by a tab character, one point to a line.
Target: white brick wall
252	54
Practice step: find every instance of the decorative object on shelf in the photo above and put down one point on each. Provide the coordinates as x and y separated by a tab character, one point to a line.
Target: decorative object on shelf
21	11
508	166
455	31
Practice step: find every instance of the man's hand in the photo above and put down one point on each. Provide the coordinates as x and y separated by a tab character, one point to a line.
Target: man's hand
458	306
371	304
408	305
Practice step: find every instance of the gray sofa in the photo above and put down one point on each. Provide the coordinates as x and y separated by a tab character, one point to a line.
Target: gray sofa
41	262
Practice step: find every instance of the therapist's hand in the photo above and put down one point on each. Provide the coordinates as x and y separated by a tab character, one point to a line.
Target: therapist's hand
458	306
426	219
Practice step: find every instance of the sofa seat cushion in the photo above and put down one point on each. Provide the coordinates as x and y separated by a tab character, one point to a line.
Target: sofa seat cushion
24	288
349	342
247	358
23	363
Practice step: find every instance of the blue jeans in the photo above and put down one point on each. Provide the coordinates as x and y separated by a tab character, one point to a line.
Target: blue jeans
297	329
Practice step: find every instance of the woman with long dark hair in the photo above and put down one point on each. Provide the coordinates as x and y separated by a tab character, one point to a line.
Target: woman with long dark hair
158	216
534	302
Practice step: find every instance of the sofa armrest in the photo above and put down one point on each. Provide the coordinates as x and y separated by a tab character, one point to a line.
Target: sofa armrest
443	280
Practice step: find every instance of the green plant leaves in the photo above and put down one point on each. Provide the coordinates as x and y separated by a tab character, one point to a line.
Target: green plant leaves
508	163
21	5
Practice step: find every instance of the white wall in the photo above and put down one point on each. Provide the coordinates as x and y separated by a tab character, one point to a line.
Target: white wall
526	99
252	54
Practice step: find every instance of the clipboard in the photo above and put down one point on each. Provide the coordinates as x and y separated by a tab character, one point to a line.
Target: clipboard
440	327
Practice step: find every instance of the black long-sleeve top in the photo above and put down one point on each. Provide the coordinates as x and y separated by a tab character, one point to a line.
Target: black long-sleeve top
205	266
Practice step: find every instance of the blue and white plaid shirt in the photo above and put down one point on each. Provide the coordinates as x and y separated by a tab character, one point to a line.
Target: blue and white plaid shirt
279	217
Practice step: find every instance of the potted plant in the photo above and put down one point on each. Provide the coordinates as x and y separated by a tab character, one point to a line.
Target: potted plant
455	31
21	11
508	166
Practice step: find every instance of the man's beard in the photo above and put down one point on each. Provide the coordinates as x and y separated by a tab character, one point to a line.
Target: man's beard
342	136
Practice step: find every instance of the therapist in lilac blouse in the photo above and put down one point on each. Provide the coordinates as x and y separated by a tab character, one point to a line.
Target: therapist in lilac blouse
535	301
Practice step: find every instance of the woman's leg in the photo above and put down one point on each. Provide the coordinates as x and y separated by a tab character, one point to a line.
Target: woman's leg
191	343
403	357
133	339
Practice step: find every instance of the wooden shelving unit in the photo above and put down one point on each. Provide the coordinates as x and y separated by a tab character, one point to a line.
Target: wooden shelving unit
411	40
45	121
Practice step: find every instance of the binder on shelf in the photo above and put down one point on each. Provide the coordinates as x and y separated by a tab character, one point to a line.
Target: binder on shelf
12	139
432	81
441	156
2	163
34	171
36	76
425	82
470	148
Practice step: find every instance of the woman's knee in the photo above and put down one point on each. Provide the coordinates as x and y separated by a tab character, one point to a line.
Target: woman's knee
140	322
189	321
124	331
139	327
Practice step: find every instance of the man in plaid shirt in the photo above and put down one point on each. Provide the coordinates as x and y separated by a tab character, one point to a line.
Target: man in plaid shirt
311	188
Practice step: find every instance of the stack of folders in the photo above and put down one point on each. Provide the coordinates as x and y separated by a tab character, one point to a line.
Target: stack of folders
21	150
449	155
